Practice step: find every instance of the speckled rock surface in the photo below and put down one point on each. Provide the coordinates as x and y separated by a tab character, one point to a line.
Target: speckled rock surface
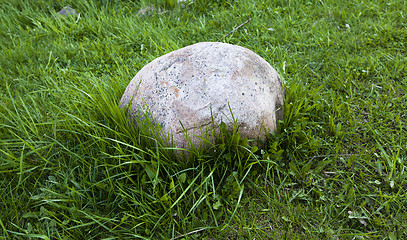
188	84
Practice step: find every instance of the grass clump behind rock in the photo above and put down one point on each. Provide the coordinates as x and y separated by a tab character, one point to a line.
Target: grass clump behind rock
73	167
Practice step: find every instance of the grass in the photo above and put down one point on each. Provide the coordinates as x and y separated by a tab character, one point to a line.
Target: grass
72	166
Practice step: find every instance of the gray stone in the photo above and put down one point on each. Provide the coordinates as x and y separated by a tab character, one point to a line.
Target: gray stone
148	10
66	11
151	9
204	81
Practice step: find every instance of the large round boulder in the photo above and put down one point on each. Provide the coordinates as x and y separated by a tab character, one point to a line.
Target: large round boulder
191	90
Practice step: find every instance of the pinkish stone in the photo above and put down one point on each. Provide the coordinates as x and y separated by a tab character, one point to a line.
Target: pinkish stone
198	83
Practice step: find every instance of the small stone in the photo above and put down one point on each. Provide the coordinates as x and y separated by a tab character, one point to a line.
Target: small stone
148	10
151	9
66	11
186	89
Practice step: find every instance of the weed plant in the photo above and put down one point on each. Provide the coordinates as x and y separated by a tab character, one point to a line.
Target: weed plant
72	166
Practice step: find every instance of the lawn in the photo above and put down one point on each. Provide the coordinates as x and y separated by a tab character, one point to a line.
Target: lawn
73	167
